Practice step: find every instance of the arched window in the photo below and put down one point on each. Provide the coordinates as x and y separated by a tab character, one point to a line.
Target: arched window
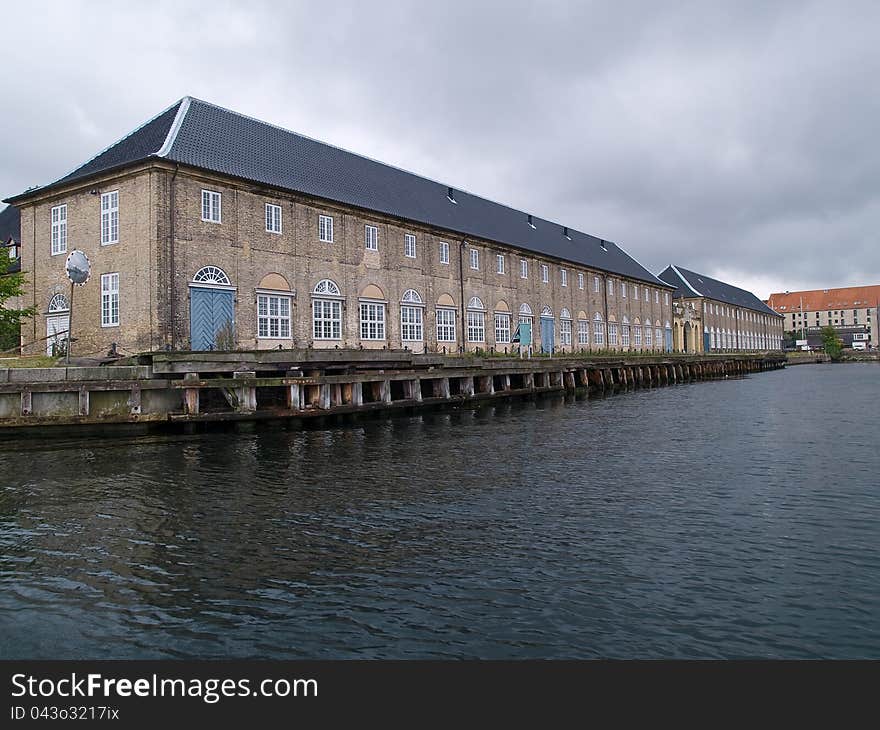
476	321
412	313
624	332
273	307
546	312
327	287
648	334
598	329
525	309
211	275
326	312
565	327
59	303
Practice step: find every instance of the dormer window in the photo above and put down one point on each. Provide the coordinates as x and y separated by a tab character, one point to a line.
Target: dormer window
531	223
450	194
565	232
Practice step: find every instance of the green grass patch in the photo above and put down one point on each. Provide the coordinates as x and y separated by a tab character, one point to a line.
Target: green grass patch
37	361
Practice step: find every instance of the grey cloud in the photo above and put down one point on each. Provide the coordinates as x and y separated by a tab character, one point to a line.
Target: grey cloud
734	138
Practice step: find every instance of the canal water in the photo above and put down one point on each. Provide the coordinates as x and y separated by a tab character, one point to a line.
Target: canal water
732	518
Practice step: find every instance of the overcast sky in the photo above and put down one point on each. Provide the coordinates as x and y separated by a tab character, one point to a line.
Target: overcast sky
736	139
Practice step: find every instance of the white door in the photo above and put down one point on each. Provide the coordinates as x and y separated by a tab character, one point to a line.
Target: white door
56	331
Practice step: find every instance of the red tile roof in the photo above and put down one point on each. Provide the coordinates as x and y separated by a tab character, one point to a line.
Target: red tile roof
849	297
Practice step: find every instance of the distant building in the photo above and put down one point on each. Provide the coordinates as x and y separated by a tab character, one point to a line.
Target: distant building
10	236
711	315
853	311
10	246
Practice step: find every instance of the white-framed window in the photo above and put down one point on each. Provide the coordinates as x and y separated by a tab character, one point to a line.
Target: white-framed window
595	284
610	287
502	328
411	317
545	273
273	316
623	289
648	342
499	263
523	269
372	321
326	313
476	326
637	335
612	334
658	336
445	325
475	259
563	277
273	218
656	296
444	252
598	330
110	218
647	295
110	300
666	297
580	281
583	332
325	228
371	238
59	229
211	207
409	245
624	335
565	331
635	291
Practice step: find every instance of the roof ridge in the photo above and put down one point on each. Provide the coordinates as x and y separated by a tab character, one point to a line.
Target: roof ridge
684	279
112	145
175	126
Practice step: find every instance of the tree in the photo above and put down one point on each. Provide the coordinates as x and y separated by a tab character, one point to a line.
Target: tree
11	286
832	343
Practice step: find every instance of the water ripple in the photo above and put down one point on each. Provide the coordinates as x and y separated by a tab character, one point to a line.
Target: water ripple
735	518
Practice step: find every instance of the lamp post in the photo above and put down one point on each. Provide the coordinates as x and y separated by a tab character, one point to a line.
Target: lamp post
803	320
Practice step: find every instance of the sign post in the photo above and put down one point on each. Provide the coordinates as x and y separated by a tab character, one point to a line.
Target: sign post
78	269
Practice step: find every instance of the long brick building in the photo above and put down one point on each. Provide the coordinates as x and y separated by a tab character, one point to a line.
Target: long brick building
208	229
712	315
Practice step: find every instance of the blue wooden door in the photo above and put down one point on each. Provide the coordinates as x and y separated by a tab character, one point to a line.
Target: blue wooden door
705	342
669	340
547	334
209	311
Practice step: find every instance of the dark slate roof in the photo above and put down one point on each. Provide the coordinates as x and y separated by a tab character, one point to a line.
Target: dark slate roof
690	284
10	224
144	142
205	136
